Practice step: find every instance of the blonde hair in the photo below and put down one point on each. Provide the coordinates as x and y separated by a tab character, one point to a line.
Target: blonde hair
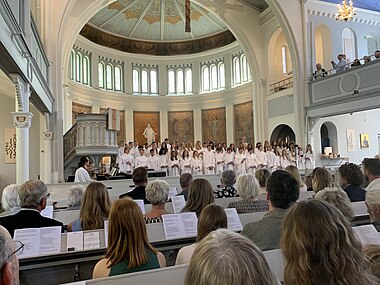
201	194
224	257
95	207
372	252
127	237
320	248
247	186
338	198
212	217
321	179
293	170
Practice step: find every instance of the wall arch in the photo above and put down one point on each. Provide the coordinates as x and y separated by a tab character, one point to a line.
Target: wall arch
329	137
349	44
281	132
323	45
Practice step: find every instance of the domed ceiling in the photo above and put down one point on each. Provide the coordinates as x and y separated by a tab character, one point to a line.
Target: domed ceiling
156	27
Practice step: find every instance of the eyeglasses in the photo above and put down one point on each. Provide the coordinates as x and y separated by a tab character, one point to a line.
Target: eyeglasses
19	249
47	195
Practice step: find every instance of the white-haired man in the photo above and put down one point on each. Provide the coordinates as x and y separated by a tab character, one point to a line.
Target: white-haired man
8	260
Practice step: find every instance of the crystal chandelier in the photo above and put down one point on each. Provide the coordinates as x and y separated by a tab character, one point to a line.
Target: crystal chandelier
345	11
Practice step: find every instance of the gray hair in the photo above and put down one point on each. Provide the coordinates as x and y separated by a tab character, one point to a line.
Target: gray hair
157	192
31	193
228	177
224	257
9	198
338	198
6	246
75	195
247	186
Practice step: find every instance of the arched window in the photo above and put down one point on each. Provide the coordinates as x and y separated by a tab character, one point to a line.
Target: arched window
372	45
222	77
171	82
349	44
78	68
180	81
136	80
153	81
117	78
244	68
101	74
144	81
205	78
86	70
109	77
214	77
237	70
72	64
284	60
188	81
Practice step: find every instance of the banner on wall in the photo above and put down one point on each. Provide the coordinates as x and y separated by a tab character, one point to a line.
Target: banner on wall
350	136
10	146
113	119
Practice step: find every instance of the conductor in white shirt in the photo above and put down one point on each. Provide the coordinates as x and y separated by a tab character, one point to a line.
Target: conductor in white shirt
84	166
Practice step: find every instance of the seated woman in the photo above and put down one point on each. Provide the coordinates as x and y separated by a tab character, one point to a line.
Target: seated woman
321	179
262	176
351	179
10	201
225	257
212	218
372	252
320	247
248	188
95	209
157	193
293	170
75	197
200	195
128	247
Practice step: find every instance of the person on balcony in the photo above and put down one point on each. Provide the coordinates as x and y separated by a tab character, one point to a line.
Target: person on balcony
341	65
319	72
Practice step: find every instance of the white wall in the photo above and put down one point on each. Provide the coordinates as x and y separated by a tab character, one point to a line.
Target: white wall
363	123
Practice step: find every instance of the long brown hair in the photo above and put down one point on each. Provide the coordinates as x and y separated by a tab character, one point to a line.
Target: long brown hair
320	248
95	207
127	237
212	218
201	194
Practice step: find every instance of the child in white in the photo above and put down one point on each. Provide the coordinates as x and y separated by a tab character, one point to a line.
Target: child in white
251	161
284	159
173	164
219	157
164	160
209	160
154	161
272	159
261	157
309	158
229	158
141	160
185	162
126	161
240	162
196	164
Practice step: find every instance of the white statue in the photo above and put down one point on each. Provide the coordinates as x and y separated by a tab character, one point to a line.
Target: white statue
149	134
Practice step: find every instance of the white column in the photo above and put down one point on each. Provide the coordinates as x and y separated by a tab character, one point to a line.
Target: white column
47	171
164	130
198	125
196	77
230	133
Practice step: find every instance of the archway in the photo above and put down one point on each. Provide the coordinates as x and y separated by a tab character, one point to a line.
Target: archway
283	132
329	138
323	45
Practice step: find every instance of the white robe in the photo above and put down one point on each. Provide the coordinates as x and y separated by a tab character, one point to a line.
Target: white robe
219	157
251	163
185	165
154	162
197	166
209	161
309	160
240	163
173	167
229	159
126	163
262	160
272	160
81	175
141	161
164	163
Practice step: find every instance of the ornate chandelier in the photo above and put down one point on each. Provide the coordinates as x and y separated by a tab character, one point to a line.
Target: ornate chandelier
345	11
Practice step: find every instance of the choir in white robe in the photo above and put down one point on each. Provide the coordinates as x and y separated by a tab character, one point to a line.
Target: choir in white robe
251	163
185	165
229	159
173	166
164	163
141	161
197	166
284	161
209	161
219	157
309	160
240	163
261	159
272	160
126	163
154	162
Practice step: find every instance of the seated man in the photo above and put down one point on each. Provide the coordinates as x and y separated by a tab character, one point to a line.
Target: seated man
282	192
185	181
8	259
228	180
140	179
33	197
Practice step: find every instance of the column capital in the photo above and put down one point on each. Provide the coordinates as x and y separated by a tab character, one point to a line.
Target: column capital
22	89
48	136
22	119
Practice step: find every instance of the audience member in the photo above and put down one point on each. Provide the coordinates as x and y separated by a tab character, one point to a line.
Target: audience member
338	198
75	197
84	166
319	72
200	195
212	218
341	65
351	179
282	192
262	176
228	180
10	200
185	181
128	247
224	258
371	168
140	179
356	63
372	252
33	196
372	201
319	247
377	54
308	182
293	170
366	59
157	192
95	209
321	179
248	188
8	260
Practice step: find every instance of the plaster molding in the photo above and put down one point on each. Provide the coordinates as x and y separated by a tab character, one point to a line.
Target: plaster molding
22	119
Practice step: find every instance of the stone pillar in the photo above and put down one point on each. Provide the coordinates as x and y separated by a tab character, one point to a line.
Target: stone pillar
22	120
48	145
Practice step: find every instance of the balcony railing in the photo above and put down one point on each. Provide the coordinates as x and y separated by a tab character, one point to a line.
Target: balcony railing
281	85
